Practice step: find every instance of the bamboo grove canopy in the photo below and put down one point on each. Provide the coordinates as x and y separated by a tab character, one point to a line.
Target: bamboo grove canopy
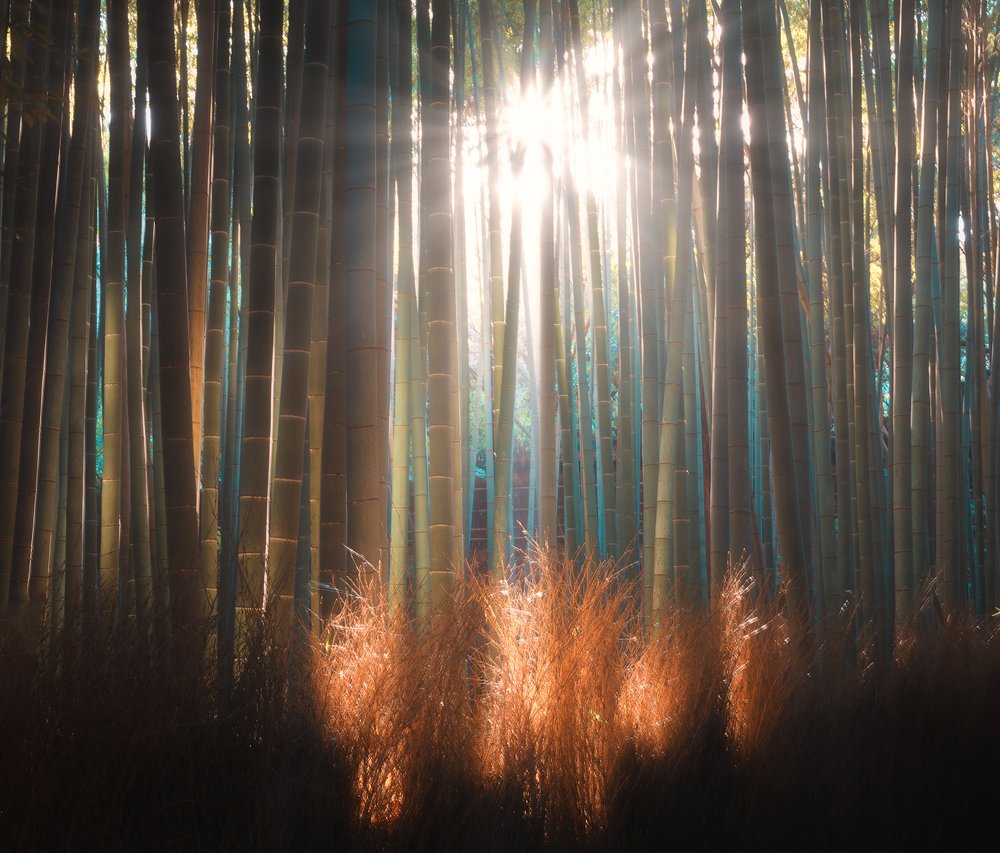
299	298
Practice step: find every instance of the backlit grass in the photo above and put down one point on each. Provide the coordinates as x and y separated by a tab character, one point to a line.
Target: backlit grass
527	715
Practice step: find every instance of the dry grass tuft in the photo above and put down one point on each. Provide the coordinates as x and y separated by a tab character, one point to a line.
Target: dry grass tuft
526	715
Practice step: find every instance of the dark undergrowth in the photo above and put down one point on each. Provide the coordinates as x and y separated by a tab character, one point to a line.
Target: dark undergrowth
527	717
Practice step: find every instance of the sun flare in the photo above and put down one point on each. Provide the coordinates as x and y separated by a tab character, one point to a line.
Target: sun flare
549	144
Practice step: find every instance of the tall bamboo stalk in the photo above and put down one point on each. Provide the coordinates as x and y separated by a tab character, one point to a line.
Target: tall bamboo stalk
286	495
902	334
187	601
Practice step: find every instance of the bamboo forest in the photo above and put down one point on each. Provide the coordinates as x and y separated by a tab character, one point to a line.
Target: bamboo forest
499	424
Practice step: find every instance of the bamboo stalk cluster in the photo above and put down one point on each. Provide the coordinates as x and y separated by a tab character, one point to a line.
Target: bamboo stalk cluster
258	332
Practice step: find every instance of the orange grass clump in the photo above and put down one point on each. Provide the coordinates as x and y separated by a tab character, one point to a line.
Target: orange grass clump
535	713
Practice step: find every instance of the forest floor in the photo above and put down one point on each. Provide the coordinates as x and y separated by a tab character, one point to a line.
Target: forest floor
528	717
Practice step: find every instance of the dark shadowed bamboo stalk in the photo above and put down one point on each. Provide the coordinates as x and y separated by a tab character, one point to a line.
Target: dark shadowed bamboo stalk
187	600
255	465
137	336
199	202
239	312
18	304
772	342
731	522
287	486
902	335
76	204
364	533
52	159
215	334
950	464
815	157
113	291
788	262
17	33
79	328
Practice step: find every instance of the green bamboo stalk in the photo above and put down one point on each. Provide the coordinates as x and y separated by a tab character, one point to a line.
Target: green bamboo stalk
573	515
441	311
547	479
607	497
652	220
407	346
588	477
625	471
504	446
383	284
496	289
460	385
